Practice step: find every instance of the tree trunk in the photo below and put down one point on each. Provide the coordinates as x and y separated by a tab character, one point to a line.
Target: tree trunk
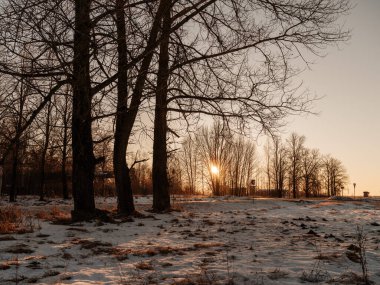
65	192
126	116
13	189
307	186
42	175
2	174
83	156
294	183
43	154
161	197
125	204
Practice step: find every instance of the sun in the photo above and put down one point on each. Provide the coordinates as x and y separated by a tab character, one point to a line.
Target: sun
214	169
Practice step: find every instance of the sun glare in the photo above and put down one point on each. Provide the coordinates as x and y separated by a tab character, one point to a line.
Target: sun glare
214	169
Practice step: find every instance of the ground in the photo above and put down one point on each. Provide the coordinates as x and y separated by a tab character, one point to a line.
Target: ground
222	240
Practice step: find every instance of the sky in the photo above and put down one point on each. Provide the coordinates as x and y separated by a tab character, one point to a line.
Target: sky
348	79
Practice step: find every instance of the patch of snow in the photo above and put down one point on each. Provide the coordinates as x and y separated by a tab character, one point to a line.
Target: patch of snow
220	239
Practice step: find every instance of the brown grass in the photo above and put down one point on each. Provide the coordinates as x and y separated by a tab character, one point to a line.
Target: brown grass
144	265
11	220
208	245
4	266
205	277
328	256
348	278
327	203
53	214
376	205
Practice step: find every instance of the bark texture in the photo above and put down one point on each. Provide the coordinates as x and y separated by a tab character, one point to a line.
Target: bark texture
125	202
83	156
161	196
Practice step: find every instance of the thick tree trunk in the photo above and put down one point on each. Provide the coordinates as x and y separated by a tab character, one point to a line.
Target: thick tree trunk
125	204
161	197
1	179
126	116
83	156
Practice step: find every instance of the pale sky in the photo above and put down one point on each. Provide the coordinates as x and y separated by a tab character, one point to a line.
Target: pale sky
348	126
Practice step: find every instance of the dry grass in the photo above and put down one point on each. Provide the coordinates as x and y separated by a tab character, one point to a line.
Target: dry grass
123	253
144	265
205	277
208	245
53	214
349	278
376	205
328	256
12	220
151	251
277	274
327	204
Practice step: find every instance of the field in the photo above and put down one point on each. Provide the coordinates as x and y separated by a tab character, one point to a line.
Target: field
222	240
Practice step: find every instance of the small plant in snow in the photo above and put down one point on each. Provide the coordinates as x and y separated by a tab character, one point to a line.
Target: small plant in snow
277	274
317	273
361	240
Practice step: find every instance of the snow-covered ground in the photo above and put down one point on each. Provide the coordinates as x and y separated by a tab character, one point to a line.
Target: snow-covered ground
206	241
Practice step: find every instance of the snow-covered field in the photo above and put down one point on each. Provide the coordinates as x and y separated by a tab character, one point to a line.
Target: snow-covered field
207	241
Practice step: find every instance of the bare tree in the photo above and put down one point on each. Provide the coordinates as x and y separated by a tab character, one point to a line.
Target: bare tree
295	149
229	161
190	163
268	170
310	160
82	144
93	46
335	175
45	145
279	166
214	147
64	110
211	73
242	166
161	196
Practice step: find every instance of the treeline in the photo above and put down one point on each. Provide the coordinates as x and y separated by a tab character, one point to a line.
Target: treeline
78	76
214	160
217	161
293	170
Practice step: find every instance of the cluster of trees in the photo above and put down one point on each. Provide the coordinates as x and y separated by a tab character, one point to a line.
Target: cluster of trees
292	169
77	76
214	158
227	164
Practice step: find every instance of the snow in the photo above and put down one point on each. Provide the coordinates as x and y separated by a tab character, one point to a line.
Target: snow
207	240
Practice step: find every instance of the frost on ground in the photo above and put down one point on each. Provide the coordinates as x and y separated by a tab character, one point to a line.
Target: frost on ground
207	241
